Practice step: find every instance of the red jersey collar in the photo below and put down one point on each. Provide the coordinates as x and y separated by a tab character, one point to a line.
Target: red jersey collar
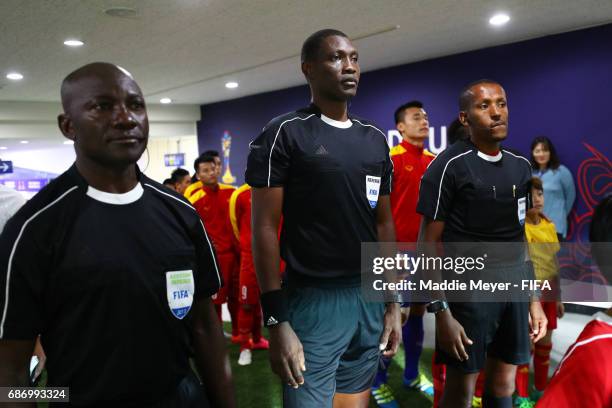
210	189
412	148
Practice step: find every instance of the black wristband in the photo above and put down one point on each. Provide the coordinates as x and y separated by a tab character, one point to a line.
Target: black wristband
274	307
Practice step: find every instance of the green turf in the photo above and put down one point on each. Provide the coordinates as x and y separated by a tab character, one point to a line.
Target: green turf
257	387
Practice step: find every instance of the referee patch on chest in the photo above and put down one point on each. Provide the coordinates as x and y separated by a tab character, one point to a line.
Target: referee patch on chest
179	290
372	189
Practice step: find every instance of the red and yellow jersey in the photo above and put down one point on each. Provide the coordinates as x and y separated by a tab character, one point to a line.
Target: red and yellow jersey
543	249
583	376
212	203
409	165
240	216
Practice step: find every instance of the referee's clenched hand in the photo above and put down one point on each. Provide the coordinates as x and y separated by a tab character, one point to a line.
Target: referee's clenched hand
287	354
451	336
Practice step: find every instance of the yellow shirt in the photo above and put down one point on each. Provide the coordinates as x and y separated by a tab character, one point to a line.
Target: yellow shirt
543	247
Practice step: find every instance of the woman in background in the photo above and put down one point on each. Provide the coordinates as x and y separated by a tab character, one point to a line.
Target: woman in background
559	190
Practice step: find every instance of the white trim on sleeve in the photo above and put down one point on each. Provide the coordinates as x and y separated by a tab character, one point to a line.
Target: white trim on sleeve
10	260
274	142
442	180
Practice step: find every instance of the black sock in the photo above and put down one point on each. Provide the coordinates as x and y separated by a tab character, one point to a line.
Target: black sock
489	401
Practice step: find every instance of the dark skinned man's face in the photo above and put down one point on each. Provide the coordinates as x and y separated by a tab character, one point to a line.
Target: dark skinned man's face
487	115
107	118
335	72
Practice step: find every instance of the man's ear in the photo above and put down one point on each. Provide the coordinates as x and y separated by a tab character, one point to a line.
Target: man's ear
65	125
463	118
400	127
307	70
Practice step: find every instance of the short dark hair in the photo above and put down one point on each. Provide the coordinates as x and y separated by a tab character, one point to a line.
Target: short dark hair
465	97
401	111
312	45
536	183
456	131
213	153
553	162
204	158
178	174
168	181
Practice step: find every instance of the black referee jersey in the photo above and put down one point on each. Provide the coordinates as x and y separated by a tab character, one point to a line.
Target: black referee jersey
332	174
480	198
108	280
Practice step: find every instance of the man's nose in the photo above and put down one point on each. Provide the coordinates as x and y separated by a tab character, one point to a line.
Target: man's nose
349	65
124	117
494	111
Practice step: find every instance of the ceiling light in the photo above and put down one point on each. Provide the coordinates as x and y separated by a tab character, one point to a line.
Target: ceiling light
3	147
165	100
74	43
24	142
121	12
14	76
231	85
68	142
499	19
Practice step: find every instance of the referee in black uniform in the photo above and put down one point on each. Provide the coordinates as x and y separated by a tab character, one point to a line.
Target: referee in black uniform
114	271
476	191
329	174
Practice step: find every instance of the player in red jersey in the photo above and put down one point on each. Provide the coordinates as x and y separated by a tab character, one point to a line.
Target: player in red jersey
410	160
249	314
583	377
211	200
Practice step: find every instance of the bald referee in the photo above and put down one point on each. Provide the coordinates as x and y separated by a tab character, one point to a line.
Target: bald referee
329	174
476	191
114	271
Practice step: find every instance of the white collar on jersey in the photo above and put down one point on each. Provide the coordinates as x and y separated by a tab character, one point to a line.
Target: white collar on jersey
490	158
117	199
336	123
603	317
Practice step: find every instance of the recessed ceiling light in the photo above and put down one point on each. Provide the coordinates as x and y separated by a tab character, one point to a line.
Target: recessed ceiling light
3	147
68	142
122	12
24	142
74	43
231	85
14	76
499	19
165	100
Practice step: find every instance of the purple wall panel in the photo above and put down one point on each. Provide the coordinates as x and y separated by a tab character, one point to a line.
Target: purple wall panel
557	86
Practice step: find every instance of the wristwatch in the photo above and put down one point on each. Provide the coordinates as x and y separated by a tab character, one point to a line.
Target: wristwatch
437	306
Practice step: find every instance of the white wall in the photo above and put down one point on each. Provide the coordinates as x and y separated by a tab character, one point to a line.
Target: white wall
172	130
52	160
156	168
57	160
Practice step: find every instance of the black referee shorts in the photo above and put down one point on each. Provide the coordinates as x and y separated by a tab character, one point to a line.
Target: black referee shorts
188	394
497	329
